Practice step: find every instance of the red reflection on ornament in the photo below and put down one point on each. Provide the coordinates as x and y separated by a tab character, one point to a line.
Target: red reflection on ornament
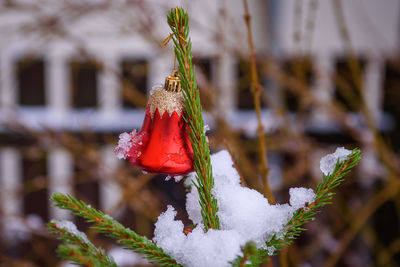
161	146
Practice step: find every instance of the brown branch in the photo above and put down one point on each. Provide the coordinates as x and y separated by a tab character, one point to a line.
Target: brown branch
283	257
243	261
256	90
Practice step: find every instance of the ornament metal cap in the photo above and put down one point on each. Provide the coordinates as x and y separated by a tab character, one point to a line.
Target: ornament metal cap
172	83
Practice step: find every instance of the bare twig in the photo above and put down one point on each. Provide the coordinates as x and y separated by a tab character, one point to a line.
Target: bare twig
256	90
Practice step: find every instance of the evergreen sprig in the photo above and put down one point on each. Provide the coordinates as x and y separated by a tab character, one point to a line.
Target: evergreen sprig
78	248
251	257
178	20
294	226
75	254
107	225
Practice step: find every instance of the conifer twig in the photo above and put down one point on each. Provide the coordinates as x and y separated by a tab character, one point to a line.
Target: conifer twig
107	225
251	257
78	248
323	196
178	21
256	90
75	254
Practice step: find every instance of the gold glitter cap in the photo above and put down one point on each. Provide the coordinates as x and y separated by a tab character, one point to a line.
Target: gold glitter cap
172	84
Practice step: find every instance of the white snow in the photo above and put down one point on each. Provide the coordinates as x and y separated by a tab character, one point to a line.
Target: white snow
177	178
124	144
71	228
206	128
300	195
197	249
328	163
244	215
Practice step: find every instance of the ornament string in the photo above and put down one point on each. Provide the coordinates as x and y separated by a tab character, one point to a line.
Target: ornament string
165	42
175	71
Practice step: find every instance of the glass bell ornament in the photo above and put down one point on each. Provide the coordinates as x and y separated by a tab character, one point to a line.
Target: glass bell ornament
162	145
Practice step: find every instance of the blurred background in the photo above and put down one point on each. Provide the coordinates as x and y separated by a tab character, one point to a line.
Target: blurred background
76	73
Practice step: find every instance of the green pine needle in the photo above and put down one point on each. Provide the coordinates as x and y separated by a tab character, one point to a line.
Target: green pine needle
251	257
75	254
107	225
78	248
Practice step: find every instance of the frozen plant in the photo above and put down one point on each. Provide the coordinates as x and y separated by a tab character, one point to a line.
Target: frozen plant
250	228
234	225
244	214
77	247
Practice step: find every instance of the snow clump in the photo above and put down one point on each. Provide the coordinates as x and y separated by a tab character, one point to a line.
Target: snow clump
300	195
244	215
124	144
177	178
71	228
328	163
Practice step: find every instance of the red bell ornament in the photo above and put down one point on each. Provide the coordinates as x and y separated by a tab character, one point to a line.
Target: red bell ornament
163	144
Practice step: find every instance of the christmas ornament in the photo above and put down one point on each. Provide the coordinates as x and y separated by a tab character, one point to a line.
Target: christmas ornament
162	145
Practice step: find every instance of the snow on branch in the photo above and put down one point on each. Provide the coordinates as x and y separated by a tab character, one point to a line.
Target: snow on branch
245	217
251	229
344	160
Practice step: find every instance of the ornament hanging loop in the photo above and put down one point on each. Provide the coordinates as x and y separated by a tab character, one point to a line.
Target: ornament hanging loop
172	83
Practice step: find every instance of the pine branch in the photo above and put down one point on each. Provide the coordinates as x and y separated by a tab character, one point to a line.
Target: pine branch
76	255
178	21
323	196
251	257
107	225
78	248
